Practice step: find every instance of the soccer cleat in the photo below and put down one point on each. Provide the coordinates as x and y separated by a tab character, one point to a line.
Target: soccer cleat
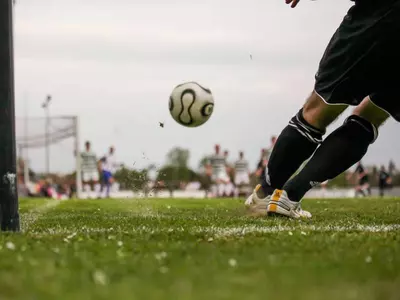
257	196
280	205
259	209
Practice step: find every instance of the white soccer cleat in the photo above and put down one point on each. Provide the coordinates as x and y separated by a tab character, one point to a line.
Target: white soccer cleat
249	201
281	205
258	209
254	198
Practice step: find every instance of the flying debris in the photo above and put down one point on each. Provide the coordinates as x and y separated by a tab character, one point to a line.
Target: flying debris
161	124
251	56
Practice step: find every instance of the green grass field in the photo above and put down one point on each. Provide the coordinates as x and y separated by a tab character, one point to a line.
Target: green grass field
201	249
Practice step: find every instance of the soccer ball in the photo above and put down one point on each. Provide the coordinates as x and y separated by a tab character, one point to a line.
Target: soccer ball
191	104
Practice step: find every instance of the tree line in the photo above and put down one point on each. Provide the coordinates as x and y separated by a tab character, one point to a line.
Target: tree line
176	173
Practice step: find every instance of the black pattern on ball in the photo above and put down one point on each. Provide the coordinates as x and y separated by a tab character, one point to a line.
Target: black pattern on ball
207	109
200	86
193	93
171	103
203	88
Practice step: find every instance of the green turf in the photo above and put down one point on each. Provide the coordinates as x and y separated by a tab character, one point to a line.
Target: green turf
201	249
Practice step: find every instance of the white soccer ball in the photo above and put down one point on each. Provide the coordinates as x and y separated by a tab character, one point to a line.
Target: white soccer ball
191	104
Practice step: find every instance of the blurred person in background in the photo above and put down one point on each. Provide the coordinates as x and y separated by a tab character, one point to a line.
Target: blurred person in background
261	165
216	167
90	172
263	162
108	166
363	186
242	178
229	187
271	147
384	181
392	168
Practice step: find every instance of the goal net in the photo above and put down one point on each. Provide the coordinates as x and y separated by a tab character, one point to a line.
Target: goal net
48	148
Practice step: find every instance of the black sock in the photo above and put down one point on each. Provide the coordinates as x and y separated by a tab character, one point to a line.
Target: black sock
296	143
340	150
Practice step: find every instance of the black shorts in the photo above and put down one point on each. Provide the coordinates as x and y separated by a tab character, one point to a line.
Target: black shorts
363	180
363	58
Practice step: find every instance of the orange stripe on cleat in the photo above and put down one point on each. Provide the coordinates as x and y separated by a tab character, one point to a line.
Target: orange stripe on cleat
272	208
277	195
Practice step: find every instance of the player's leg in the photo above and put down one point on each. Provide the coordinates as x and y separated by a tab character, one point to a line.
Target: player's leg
206	184
367	188
215	184
221	181
220	187
108	184
108	180
229	187
96	182
305	130
361	187
242	180
237	185
103	184
381	190
232	190
214	189
86	182
341	149
359	190
297	142
91	185
86	186
348	72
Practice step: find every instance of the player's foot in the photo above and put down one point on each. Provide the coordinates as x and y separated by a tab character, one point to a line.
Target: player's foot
257	196
281	205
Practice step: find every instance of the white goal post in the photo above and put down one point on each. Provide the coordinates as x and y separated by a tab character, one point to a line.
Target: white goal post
42	132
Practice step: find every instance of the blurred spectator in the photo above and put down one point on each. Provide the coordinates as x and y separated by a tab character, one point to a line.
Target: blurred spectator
384	181
392	168
262	164
271	147
90	172
108	168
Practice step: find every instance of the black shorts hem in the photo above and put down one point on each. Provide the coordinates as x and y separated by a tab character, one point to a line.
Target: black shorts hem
361	58
397	118
326	101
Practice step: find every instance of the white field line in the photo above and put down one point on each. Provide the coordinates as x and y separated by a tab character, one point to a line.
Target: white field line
29	218
303	229
222	232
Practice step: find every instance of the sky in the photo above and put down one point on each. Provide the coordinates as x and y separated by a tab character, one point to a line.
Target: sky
114	63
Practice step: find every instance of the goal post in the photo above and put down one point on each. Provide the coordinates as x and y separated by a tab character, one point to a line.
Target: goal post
78	168
9	216
35	134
